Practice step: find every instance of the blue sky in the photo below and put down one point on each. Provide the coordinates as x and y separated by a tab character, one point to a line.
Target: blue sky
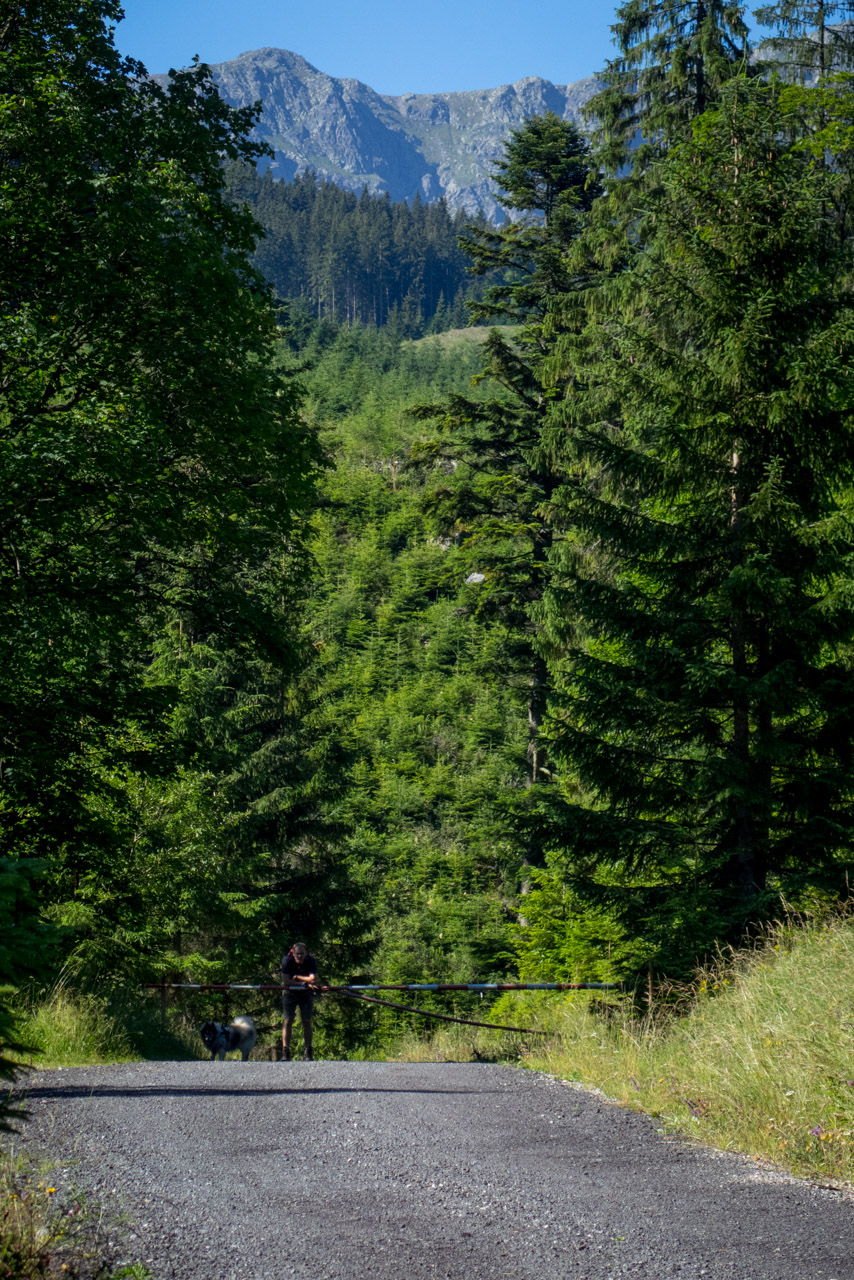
393	46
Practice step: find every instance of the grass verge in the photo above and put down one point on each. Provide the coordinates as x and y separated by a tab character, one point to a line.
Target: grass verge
48	1229
70	1028
760	1059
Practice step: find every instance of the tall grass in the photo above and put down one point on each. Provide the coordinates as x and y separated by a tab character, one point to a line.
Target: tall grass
761	1060
70	1028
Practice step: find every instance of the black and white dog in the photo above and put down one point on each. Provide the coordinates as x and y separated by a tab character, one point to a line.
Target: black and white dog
240	1034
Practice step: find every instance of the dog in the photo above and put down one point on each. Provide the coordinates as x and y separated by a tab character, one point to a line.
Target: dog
241	1034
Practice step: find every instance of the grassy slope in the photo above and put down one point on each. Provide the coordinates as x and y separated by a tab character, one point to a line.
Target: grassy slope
68	1028
762	1062
472	337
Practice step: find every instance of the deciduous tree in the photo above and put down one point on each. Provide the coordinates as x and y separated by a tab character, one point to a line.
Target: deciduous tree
154	468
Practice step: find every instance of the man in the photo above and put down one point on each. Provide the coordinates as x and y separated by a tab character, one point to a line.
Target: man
298	966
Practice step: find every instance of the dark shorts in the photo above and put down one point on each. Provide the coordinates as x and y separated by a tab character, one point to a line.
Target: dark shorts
293	1000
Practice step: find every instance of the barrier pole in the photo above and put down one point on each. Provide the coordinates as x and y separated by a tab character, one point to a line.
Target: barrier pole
406	986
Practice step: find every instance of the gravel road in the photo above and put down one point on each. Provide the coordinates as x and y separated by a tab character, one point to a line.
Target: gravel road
397	1171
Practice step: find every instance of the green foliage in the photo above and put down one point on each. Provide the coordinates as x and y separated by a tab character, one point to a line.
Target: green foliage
26	944
491	465
408	677
547	178
66	1026
811	37
75	1030
545	167
674	58
284	660
155	480
357	259
701	708
565	937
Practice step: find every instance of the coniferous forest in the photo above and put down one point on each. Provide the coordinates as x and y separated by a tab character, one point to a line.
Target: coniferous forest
465	653
358	259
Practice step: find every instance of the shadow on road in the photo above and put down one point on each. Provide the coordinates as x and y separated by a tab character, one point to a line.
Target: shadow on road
172	1091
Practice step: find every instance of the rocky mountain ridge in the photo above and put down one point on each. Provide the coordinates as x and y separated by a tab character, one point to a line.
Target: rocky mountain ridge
437	144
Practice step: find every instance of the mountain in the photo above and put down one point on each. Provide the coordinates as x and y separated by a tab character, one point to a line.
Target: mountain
436	144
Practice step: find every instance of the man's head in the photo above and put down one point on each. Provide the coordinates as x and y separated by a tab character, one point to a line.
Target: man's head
300	951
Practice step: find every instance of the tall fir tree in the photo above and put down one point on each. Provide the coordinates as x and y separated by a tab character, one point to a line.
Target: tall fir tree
702	707
547	180
674	57
493	502
811	38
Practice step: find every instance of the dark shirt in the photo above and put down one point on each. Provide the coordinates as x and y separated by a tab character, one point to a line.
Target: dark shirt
291	966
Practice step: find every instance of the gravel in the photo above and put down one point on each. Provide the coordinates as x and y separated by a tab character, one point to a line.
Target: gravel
400	1171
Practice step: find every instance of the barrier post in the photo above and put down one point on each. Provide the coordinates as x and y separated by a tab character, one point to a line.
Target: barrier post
163	1004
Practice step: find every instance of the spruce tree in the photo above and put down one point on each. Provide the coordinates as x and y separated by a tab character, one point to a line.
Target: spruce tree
674	57
702	709
493	502
812	38
547	180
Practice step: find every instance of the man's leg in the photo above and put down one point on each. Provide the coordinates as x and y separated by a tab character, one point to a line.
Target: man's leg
306	1031
287	1031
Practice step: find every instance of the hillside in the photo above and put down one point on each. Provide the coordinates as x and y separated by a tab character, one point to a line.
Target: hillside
440	144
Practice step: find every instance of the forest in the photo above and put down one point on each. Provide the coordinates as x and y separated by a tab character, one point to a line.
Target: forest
518	649
358	259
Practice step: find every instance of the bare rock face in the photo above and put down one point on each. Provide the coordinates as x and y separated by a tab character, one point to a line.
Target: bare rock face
432	144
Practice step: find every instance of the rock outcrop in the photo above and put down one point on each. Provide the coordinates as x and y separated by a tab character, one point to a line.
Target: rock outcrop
435	144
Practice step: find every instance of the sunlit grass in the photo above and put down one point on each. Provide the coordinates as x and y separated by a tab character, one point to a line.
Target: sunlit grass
65	1027
458	1044
471	335
761	1062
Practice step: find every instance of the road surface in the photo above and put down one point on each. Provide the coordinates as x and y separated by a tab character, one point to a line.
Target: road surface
398	1171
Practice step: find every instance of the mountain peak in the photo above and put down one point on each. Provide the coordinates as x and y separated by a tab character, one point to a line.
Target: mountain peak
271	57
436	144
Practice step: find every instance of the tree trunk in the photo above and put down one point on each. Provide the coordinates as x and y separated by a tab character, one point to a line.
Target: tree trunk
536	711
742	869
700	90
539	670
